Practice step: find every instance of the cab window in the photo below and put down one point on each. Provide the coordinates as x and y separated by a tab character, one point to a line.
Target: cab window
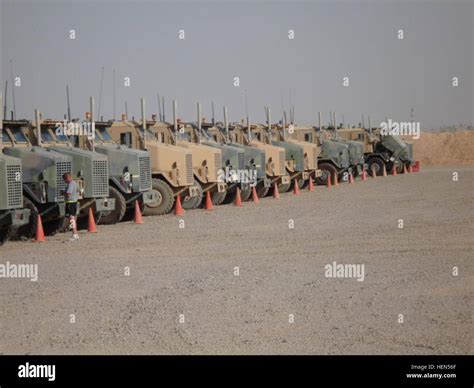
46	136
308	137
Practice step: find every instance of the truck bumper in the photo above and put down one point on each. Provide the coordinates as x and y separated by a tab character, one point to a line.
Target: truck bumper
305	175
192	191
318	173
285	179
104	204
15	218
149	196
267	182
221	187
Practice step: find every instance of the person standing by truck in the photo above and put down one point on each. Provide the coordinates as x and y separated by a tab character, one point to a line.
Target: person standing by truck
70	194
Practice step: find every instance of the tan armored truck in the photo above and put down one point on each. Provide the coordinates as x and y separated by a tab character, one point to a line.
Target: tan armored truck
207	160
274	156
171	166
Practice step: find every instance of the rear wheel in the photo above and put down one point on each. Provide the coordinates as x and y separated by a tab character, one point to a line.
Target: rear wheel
164	202
193	202
283	188
327	171
378	165
116	215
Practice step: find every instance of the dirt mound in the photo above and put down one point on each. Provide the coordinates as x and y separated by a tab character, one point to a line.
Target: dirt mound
445	148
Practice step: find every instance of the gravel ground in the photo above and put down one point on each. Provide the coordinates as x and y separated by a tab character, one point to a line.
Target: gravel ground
191	271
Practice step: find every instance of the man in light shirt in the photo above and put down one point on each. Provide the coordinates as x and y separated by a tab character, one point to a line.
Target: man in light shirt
70	194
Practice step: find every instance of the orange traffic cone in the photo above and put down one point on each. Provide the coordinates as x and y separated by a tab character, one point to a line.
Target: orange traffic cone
296	189
91	228
179	211
328	182
311	184
255	195
138	214
238	199
405	168
39	237
276	193
373	172
336	180
394	170
208	205
384	170
351	178
364	175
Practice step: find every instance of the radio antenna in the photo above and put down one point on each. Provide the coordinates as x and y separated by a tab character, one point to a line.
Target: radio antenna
100	92
13	89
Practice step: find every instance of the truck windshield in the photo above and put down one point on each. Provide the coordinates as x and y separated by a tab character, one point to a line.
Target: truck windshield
104	134
5	137
46	136
19	137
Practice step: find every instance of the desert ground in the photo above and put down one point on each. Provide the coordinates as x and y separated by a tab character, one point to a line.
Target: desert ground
184	295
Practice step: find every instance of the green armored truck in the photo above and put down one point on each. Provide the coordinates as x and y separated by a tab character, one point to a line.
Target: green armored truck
89	169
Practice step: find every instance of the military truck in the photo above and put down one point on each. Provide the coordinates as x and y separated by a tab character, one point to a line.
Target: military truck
171	166
207	160
233	160
253	158
356	148
129	170
12	213
42	175
333	159
274	157
302	157
380	151
89	169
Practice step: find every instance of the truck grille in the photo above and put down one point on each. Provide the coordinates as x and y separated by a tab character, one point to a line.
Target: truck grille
189	169
14	186
217	163
282	162
61	169
100	178
145	173
241	163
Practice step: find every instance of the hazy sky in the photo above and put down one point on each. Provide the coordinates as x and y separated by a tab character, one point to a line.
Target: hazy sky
223	40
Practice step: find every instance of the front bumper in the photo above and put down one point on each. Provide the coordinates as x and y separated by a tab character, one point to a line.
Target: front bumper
16	218
104	204
150	196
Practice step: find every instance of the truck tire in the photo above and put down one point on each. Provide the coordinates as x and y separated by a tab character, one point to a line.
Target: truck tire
263	191
4	235
165	201
328	170
190	203
218	198
116	215
283	188
55	226
378	164
246	194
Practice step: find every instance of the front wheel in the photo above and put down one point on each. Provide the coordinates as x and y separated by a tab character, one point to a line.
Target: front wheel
218	198
328	171
116	215
4	235
164	202
194	202
377	165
